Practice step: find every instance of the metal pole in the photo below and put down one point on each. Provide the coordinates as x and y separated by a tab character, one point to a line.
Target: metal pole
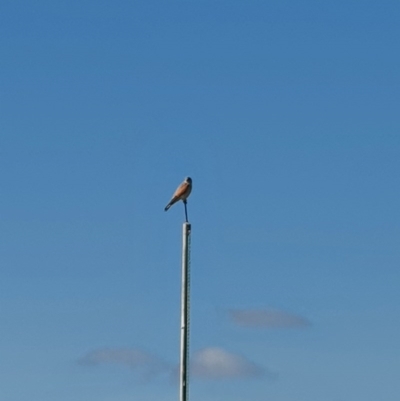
184	362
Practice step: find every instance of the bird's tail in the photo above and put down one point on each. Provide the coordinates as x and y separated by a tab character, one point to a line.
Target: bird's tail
172	202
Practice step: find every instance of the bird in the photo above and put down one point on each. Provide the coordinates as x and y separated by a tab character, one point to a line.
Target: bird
181	193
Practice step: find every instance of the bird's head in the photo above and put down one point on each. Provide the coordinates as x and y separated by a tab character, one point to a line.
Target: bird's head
188	180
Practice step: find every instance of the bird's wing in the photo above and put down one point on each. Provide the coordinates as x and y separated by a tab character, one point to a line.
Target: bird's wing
181	191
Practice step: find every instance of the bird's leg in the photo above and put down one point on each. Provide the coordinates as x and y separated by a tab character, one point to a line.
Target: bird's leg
185	203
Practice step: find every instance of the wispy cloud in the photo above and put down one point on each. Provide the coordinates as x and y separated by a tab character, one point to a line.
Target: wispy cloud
144	363
211	363
216	363
267	318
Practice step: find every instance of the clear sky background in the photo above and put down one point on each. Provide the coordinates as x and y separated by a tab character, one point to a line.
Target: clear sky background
286	116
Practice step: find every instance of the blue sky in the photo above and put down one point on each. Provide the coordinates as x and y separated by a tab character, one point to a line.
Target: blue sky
285	114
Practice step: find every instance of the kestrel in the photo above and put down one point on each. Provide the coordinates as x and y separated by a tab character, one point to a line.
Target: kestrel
182	193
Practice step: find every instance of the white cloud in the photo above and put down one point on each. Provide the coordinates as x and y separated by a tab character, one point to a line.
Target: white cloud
267	318
209	363
135	359
216	363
